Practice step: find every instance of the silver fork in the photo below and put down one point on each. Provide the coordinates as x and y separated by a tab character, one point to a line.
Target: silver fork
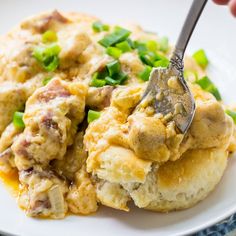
167	87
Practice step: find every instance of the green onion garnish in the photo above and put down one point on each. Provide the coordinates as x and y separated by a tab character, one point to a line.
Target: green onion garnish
201	58
164	44
111	81
162	63
152	45
207	85
140	46
114	52
216	93
113	67
117	36
48	56
18	120
102	74
46	80
121	77
190	74
232	114
93	115
149	58
124	46
110	75
49	37
99	26
131	43
97	81
145	74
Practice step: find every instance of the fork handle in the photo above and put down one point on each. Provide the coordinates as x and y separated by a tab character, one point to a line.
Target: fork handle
188	27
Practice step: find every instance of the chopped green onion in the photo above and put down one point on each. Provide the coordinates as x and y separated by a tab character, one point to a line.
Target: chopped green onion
140	46
99	26
190	74
152	45
46	80
111	81
110	75
164	44
51	63
207	85
102	74
96	81
204	83
18	119
106	27
48	56
117	36
121	77
232	114
49	37
114	52
130	42
145	74
148	57
201	58
113	67
216	93
151	58
93	115
124	46
162	63
95	75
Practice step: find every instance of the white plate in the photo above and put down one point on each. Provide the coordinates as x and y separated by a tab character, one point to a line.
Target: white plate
216	33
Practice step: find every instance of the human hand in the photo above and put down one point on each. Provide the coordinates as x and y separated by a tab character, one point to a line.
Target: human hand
231	4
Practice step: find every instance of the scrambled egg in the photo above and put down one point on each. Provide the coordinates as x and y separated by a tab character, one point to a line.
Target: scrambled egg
125	154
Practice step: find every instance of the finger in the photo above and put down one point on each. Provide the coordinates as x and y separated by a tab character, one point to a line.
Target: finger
232	6
221	2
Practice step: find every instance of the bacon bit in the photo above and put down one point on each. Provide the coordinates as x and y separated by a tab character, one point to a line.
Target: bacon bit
49	174
56	15
54	90
21	151
25	143
26	173
39	204
42	24
107	98
48	21
29	171
49	123
6	154
100	98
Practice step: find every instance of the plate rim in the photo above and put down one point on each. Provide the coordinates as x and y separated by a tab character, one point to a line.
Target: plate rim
209	223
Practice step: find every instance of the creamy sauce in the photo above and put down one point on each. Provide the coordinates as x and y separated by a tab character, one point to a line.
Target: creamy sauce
11	181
